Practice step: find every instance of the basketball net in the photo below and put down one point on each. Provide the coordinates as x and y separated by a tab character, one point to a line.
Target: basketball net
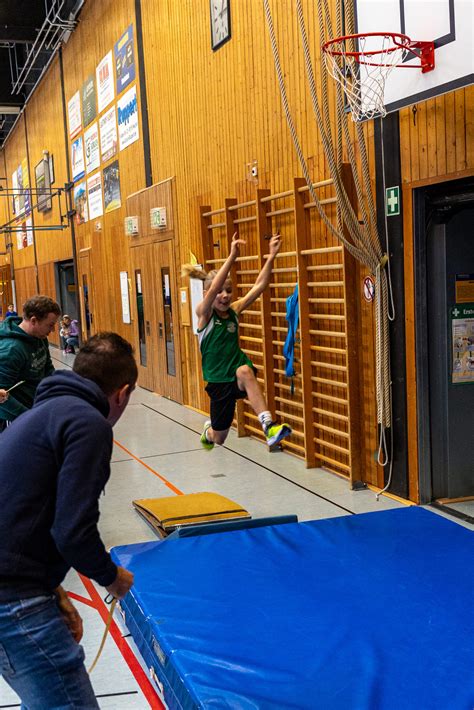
362	74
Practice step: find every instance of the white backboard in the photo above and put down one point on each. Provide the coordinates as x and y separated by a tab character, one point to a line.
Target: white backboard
449	23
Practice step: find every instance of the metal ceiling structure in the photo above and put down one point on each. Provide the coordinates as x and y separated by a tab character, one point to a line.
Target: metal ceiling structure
31	31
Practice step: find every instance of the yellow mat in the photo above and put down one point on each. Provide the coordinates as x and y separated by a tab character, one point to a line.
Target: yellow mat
167	514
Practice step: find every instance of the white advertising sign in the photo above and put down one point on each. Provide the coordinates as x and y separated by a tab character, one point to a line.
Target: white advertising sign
94	196
108	135
74	114
91	141
127	115
105	82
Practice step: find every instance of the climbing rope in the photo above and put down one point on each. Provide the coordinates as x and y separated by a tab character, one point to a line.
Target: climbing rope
364	244
104	635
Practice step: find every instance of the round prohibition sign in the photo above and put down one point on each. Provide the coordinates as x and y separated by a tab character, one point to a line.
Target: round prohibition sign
369	289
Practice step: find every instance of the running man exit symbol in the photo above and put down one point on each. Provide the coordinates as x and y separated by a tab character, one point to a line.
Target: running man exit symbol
392	201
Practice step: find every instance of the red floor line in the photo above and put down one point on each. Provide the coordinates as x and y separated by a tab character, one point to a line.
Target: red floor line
83	600
127	653
165	481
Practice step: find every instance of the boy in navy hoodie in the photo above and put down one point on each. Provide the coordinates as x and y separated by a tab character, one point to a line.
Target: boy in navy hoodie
49	503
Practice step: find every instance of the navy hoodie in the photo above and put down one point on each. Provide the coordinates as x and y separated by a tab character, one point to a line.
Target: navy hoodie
54	464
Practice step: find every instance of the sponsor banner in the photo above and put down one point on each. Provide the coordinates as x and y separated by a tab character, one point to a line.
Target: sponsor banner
74	114
105	82
127	117
80	203
91	144
108	135
77	159
94	196
112	200
124	60
88	100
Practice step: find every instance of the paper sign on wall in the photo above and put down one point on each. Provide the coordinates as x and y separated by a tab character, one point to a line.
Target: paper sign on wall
125	297
197	294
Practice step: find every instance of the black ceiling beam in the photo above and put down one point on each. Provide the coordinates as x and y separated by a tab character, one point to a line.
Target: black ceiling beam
17	33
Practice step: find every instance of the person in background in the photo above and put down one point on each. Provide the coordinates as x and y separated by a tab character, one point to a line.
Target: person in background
24	354
3	396
69	334
50	511
11	311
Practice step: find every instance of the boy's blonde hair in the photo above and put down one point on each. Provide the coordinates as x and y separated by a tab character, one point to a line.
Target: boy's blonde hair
194	273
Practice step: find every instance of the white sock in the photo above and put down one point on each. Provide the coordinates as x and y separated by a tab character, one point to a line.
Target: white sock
265	419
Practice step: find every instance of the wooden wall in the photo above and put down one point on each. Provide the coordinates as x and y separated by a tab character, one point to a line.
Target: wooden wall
211	115
101	25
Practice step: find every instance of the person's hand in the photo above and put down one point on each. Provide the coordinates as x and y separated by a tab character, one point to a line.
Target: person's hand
122	583
274	244
3	396
71	616
235	245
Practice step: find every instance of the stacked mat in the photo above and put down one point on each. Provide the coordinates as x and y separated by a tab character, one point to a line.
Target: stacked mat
167	514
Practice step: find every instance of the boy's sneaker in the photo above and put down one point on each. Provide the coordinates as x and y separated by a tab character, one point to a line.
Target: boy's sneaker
204	442
276	432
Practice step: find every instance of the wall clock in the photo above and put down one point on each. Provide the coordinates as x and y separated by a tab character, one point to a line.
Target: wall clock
220	22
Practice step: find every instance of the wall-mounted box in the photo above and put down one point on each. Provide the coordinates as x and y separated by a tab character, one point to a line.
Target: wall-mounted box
158	218
131	226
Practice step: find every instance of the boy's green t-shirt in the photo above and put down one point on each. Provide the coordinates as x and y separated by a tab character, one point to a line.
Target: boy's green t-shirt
220	350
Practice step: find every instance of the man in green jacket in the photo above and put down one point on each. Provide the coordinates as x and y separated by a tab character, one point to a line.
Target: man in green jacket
24	354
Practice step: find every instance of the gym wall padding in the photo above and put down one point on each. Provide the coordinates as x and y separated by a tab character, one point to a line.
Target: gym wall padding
278	617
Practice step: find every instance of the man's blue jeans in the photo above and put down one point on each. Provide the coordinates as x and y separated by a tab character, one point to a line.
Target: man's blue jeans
39	658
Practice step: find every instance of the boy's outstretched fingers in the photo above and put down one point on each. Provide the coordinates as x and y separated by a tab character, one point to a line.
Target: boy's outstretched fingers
236	243
275	244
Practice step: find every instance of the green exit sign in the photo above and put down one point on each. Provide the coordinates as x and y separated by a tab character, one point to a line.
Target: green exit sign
392	201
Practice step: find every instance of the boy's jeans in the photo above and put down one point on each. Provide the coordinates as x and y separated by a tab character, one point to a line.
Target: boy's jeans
39	658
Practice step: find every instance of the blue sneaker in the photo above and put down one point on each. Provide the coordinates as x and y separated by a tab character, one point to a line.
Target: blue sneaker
204	441
276	433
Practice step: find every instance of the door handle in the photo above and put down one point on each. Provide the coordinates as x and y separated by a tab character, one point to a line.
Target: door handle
147	327
160	329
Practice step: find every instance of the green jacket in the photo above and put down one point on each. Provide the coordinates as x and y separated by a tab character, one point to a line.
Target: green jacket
22	357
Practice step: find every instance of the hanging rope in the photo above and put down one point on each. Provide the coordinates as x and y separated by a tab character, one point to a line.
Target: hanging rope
364	244
104	635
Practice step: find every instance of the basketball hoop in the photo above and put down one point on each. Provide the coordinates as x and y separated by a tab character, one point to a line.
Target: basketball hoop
361	63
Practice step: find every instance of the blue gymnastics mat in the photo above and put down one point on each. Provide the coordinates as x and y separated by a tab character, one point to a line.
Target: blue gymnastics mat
364	612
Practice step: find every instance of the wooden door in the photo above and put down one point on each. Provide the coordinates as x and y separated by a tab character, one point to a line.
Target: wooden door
168	377
146	335
86	294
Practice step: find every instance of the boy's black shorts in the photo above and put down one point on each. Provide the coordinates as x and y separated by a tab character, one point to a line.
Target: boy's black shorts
223	396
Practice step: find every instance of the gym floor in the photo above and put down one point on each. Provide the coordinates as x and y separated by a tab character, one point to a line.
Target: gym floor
156	454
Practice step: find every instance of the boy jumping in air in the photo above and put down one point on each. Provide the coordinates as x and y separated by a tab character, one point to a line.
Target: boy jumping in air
228	371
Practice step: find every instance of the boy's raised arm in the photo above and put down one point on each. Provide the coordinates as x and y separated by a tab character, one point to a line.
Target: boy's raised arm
204	308
263	279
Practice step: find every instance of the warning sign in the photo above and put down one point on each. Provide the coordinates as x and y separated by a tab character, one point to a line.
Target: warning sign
369	288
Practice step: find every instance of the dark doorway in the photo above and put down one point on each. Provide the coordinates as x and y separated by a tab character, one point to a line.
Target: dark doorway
444	243
66	289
